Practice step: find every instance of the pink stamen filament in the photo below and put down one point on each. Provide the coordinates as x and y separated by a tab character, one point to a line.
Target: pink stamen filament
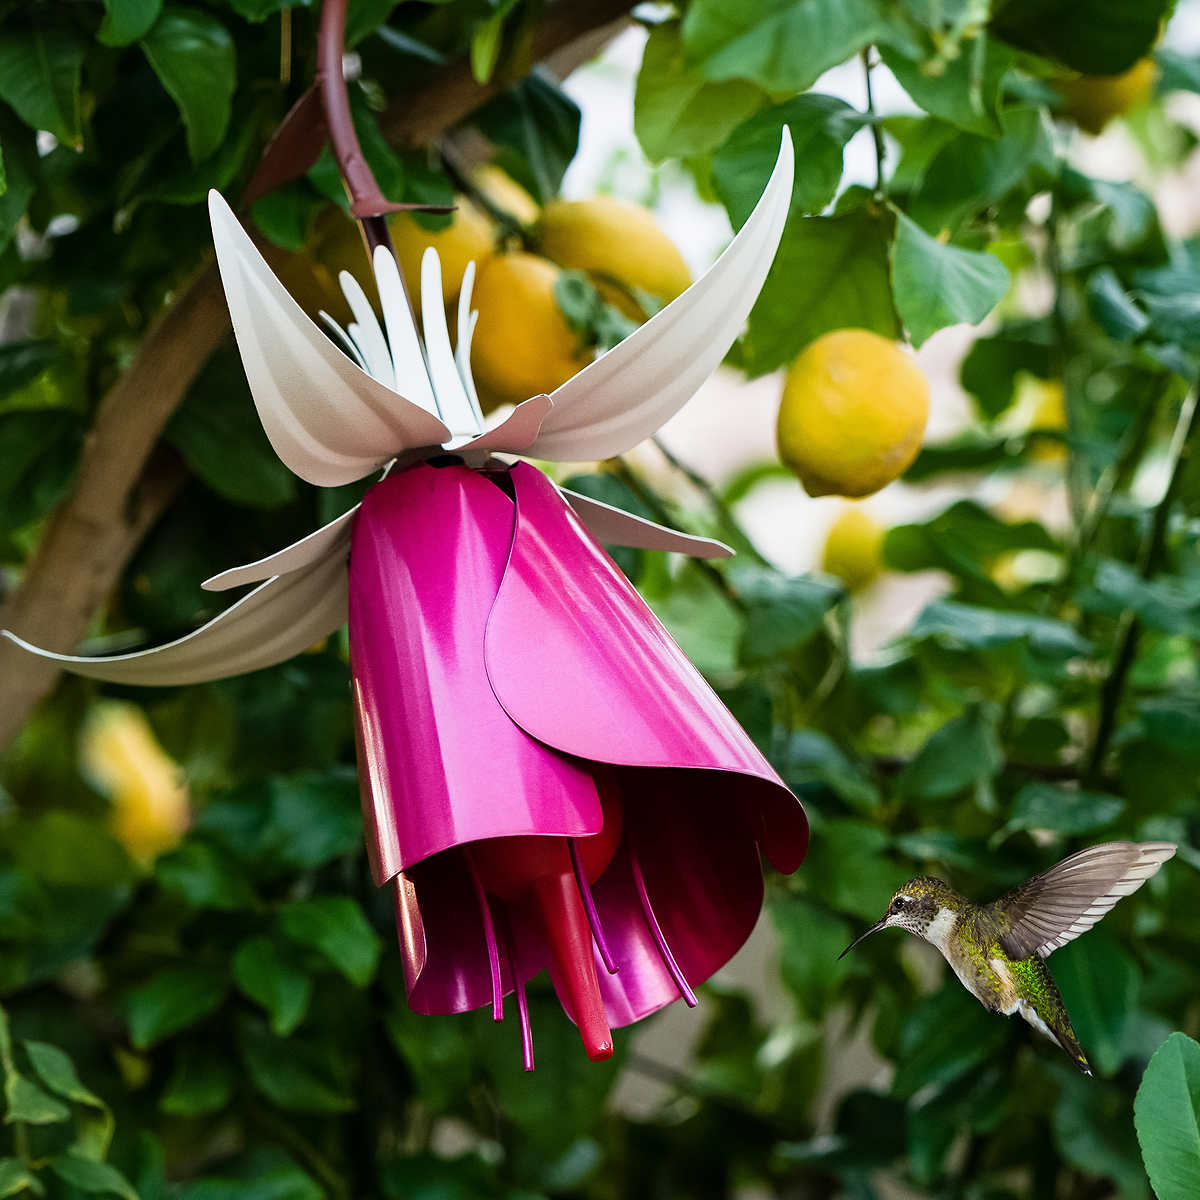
589	905
514	971
523	1015
493	950
689	997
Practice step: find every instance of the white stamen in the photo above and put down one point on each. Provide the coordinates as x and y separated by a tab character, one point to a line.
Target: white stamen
346	341
466	331
366	332
408	360
455	404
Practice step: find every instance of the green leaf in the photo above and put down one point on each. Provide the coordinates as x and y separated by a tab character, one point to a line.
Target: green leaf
434	1050
1096	37
936	285
193	56
270	979
90	1176
16	1177
218	432
848	869
595	322
485	46
297	1074
1166	1114
201	1082
549	1113
170	1000
964	539
972	627
335	926
810	939
1093	1132
28	1103
259	10
1128	216
70	849
784	45
1177	72
266	1175
205	877
39	77
56	1070
677	111
829	273
820	127
1063	810
947	1035
21	170
126	21
1099	982
810	757
313	818
962	752
964	90
536	124
1113	308
971	172
1172	721
40	452
22	362
285	216
784	613
1168	603
701	619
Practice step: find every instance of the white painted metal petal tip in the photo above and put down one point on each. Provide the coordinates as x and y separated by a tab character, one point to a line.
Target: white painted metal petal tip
630	392
327	419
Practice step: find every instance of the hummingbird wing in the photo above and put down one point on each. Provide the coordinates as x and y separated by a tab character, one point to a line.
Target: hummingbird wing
1055	907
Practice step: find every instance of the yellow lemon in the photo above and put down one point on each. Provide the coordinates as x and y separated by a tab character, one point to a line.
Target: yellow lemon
620	245
120	753
853	413
853	548
506	194
523	344
470	237
1091	101
1049	414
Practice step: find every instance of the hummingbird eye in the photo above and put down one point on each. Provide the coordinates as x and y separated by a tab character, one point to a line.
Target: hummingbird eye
898	903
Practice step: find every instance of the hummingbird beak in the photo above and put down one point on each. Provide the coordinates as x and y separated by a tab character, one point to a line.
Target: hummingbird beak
882	924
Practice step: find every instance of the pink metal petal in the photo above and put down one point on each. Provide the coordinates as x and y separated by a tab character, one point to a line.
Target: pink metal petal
280	618
327	419
332	539
580	663
442	762
628	393
615	527
702	883
448	968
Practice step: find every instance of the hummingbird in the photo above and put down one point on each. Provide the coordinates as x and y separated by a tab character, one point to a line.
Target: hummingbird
999	950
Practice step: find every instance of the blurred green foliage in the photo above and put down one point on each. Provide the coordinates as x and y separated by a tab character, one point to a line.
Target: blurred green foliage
231	1022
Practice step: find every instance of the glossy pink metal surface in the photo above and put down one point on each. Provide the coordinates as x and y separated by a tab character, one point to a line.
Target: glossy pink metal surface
442	763
499	656
580	662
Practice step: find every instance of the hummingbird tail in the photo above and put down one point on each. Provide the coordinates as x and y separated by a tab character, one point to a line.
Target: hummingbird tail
1070	1043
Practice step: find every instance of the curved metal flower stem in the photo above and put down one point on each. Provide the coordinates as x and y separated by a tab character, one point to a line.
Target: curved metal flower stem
367	201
